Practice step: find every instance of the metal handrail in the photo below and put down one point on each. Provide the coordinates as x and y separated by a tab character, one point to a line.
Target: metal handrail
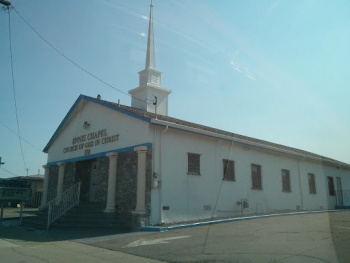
30	206
34	201
62	203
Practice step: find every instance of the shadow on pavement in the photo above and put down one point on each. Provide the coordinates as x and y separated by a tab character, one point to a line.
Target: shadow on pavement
12	229
340	231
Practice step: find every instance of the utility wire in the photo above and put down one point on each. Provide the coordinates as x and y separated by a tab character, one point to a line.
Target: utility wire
14	92
71	61
21	137
216	203
8	171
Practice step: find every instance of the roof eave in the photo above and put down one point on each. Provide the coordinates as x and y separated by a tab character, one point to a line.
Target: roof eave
322	159
45	150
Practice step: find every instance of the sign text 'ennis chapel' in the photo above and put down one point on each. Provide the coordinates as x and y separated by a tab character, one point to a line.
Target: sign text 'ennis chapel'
87	141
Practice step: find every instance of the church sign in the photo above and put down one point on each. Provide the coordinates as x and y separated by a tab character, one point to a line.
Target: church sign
87	141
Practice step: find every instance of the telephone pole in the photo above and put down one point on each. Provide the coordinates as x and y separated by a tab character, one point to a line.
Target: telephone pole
1	163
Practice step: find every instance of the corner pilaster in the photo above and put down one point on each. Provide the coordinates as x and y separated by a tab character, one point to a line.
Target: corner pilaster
61	167
141	178
112	178
45	187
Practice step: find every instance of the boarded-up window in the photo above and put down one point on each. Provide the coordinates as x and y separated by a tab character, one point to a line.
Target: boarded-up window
285	181
331	189
193	163
229	170
256	177
312	183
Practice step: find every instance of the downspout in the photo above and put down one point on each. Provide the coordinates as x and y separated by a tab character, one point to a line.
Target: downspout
161	175
154	153
300	187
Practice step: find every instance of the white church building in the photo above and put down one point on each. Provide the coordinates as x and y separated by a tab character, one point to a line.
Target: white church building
137	159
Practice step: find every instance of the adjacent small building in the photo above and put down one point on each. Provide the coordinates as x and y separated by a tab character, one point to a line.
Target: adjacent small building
137	159
20	188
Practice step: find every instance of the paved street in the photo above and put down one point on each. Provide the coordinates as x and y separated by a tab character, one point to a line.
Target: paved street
23	245
321	237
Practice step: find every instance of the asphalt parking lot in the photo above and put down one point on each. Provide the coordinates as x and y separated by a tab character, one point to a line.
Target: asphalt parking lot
318	237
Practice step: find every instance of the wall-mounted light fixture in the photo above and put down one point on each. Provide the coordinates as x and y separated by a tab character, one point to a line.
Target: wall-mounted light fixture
155	181
86	125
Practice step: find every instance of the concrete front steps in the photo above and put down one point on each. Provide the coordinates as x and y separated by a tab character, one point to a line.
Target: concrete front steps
91	215
35	219
84	216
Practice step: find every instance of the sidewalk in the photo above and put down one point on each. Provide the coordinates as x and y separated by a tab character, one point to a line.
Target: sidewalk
18	244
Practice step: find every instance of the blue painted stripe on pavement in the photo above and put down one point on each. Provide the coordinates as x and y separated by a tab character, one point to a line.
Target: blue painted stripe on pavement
204	223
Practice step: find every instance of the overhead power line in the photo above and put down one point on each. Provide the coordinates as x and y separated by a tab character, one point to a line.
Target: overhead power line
73	62
21	137
14	90
8	171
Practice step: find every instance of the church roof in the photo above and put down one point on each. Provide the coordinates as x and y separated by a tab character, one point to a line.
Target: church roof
213	131
192	127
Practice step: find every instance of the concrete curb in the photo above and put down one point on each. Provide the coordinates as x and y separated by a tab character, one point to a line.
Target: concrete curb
212	222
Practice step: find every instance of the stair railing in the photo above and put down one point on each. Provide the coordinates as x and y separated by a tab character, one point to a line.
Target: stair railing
34	201
62	203
30	206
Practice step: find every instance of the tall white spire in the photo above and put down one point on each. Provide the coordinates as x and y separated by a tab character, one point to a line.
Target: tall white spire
150	62
150	96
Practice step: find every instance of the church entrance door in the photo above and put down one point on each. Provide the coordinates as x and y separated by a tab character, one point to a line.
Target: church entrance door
94	185
83	174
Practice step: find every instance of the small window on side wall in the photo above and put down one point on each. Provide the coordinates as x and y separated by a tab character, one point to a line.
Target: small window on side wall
312	183
229	170
193	163
256	177
285	180
331	188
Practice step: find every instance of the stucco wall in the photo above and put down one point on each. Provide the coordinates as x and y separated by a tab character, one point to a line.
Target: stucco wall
344	176
189	197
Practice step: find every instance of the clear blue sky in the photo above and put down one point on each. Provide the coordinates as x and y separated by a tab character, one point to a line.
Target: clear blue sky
273	70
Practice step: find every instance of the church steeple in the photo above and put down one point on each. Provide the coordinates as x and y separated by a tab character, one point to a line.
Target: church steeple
150	96
150	41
